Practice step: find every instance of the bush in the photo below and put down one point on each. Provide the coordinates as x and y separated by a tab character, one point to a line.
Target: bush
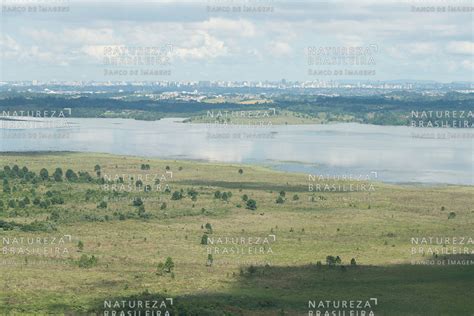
58	175
86	262
204	239
296	197
245	197
44	175
137	201
177	195
280	200
71	175
224	196
169	265
193	194
251	204
102	204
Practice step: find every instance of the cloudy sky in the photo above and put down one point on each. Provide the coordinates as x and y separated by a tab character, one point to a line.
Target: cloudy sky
209	40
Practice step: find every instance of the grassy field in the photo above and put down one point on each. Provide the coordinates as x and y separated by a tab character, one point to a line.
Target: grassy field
268	117
274	269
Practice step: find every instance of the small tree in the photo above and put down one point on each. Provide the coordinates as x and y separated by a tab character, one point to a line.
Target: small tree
282	193
169	265
44	175
208	226
280	200
71	175
210	260
353	262
245	197
58	175
204	239
241	171
80	245
224	196
296	197
217	194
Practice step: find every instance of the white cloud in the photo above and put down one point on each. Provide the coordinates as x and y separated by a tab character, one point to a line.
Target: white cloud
279	48
461	48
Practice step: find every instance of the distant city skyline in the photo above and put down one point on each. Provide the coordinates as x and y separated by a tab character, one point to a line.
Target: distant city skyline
202	40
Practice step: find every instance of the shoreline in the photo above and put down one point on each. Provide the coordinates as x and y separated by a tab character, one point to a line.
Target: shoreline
264	166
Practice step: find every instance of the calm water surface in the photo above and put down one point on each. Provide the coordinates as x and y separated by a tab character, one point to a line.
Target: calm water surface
384	153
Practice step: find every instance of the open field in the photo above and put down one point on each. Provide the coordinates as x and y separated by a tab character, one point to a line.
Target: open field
268	117
273	268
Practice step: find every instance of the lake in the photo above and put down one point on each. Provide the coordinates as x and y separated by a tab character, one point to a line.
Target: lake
383	153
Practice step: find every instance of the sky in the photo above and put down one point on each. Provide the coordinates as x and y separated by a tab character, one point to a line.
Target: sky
212	40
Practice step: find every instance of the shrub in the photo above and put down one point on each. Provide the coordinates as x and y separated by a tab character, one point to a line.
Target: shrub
137	201
44	175
210	260
71	175
169	265
58	175
102	204
177	195
251	204
86	262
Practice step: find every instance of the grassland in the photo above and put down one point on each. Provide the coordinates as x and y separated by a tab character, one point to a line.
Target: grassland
374	227
266	117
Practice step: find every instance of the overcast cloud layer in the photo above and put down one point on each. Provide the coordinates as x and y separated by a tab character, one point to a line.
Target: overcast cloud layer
209	45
